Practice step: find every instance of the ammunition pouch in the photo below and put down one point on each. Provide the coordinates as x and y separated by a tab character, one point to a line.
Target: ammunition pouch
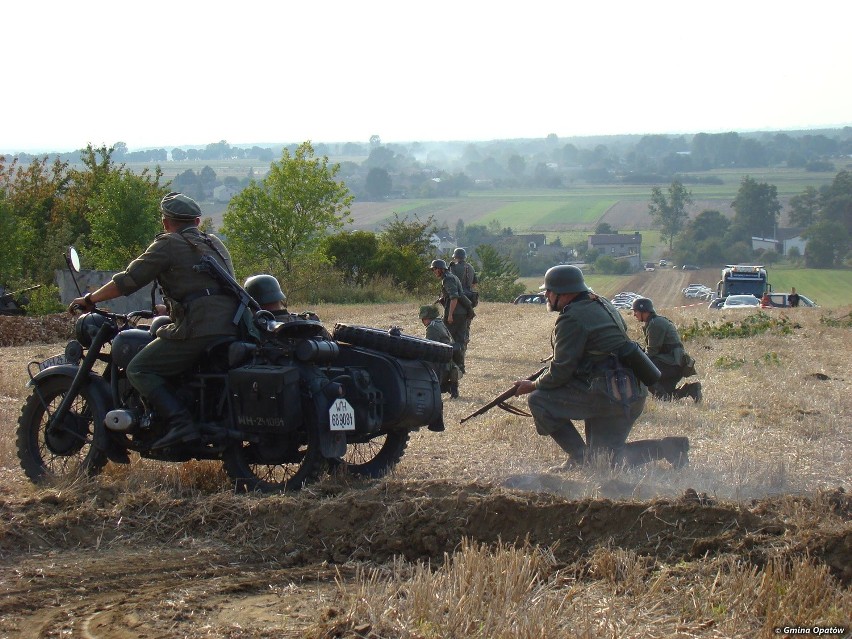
473	297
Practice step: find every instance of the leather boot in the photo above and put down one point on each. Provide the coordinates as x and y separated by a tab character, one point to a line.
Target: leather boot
673	449
437	426
170	410
570	441
454	390
692	390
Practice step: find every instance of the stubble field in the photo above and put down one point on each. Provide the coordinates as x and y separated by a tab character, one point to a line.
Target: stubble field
474	534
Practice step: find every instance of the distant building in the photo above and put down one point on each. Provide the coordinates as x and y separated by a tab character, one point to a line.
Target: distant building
224	193
443	242
616	245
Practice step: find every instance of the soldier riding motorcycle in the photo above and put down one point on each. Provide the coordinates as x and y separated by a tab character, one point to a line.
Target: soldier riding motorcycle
277	404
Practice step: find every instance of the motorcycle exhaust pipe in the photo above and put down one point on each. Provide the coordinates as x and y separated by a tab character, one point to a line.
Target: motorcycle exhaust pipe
120	421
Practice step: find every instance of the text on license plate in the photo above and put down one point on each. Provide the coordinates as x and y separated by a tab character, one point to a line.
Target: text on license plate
341	415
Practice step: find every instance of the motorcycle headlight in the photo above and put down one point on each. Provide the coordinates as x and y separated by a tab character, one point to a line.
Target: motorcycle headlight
87	326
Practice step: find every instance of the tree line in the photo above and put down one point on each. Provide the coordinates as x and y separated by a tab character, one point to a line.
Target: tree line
291	224
824	216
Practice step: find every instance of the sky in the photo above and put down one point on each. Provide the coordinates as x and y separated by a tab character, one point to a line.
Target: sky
185	73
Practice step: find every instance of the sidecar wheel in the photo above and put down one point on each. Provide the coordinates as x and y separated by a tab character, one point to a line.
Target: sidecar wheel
254	467
377	457
66	451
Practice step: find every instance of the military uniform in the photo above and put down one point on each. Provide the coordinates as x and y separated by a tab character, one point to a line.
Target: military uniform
447	373
459	328
665	348
201	312
467	276
587	332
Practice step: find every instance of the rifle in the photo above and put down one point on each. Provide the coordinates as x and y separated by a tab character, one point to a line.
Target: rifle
210	266
500	400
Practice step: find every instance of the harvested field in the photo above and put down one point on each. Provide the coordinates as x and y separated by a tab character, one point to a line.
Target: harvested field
474	534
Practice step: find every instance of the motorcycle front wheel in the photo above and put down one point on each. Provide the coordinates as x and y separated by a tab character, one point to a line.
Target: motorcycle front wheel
376	457
65	451
258	467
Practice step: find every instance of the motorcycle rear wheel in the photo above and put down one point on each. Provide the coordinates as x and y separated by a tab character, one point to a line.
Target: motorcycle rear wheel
245	464
377	457
67	452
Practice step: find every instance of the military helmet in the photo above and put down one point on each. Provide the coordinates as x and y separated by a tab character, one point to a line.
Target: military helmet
438	264
643	305
180	207
265	289
460	253
564	278
430	311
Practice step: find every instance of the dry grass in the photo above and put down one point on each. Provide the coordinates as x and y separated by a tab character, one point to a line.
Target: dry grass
354	558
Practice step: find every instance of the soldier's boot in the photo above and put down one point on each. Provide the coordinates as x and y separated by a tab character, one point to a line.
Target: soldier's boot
673	449
695	392
437	426
569	440
454	390
171	411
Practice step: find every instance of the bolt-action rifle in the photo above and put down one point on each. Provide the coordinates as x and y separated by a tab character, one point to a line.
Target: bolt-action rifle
502	398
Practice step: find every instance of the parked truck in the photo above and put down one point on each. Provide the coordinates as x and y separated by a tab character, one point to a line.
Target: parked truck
743	279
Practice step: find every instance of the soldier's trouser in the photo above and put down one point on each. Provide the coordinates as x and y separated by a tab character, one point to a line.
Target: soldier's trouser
165	358
460	332
607	427
666	387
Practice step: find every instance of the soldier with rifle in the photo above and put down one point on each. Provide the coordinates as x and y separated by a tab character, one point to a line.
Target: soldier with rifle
578	382
201	310
458	310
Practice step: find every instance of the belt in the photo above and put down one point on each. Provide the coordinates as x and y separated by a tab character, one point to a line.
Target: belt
205	292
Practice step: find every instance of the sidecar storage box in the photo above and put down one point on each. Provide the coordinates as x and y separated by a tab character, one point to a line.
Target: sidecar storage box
265	399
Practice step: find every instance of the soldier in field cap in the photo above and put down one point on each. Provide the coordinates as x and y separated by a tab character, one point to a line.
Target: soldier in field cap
201	311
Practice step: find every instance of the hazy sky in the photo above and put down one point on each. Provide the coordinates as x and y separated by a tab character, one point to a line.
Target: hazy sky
163	74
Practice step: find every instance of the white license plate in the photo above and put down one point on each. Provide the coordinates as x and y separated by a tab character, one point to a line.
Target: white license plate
341	415
56	360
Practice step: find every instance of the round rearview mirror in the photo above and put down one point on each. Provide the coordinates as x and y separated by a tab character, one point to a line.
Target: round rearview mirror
73	259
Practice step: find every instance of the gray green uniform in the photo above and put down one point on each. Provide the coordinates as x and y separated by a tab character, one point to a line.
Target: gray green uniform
665	348
447	373
451	289
467	276
201	312
587	331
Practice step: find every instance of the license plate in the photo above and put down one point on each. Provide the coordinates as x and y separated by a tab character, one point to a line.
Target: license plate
56	360
341	415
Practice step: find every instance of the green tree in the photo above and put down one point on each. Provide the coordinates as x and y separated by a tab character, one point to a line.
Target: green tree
124	218
669	213
277	225
378	183
828	242
498	276
757	208
351	253
603	229
836	201
804	208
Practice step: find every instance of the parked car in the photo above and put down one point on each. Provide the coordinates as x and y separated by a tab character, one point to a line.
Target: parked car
649	266
780	300
663	263
741	302
530	298
690	267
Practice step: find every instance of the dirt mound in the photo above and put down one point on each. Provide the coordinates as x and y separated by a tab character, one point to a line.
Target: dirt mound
17	330
421	521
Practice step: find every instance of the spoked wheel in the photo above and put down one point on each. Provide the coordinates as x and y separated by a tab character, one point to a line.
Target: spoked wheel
65	449
377	457
273	466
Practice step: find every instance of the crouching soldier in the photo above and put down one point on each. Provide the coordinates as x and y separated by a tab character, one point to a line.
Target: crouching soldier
448	374
665	348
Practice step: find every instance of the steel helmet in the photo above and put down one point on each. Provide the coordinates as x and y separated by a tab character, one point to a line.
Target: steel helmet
430	311
564	278
180	207
460	253
643	305
265	289
438	264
